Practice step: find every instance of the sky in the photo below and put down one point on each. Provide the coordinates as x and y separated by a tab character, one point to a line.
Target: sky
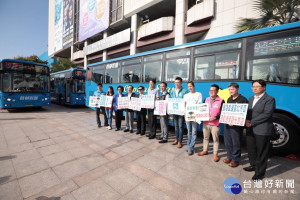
24	27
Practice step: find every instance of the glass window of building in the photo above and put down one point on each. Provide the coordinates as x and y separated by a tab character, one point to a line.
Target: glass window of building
116	10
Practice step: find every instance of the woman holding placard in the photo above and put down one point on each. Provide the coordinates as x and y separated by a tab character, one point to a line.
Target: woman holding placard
191	98
109	110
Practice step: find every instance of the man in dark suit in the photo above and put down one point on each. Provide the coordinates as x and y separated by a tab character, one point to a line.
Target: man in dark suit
141	115
259	129
128	112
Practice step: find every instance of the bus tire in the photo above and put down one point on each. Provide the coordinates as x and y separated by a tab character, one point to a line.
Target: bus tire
288	131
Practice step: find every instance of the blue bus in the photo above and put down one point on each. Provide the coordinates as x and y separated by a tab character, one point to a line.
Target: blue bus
68	87
272	54
23	84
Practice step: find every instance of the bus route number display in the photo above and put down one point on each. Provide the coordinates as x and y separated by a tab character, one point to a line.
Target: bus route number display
277	46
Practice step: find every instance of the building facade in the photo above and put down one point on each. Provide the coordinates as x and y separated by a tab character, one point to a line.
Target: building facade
89	31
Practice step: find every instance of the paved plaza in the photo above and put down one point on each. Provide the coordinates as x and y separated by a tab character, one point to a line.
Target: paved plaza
58	153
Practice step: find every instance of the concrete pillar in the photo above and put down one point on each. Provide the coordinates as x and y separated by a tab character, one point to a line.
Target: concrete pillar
104	51
133	35
72	51
180	13
85	56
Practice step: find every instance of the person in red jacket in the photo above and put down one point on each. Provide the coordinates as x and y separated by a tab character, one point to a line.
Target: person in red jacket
212	126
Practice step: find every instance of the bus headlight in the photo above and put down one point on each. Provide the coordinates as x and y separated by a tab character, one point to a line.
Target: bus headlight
46	99
13	100
76	98
8	99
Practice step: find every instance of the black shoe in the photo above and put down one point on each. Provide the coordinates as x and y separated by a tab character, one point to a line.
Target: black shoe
258	177
163	141
142	133
249	169
138	132
106	125
159	138
126	130
117	129
152	137
148	135
131	131
190	153
99	125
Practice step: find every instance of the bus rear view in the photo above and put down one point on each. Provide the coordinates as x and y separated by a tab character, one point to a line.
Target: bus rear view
23	84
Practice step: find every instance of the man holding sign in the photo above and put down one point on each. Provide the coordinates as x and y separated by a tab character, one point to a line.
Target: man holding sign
99	93
233	134
178	93
151	117
129	112
164	119
213	125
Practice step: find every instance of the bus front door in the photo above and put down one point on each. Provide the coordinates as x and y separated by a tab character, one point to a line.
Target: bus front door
68	91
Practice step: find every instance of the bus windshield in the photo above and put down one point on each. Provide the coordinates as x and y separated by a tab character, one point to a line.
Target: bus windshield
22	82
78	86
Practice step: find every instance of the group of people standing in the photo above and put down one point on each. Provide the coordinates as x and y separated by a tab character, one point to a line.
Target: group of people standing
259	126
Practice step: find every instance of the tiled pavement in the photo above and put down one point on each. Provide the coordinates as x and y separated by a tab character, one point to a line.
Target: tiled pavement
58	153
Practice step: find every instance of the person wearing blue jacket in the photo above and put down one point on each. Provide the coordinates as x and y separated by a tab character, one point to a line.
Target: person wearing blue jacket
179	92
118	113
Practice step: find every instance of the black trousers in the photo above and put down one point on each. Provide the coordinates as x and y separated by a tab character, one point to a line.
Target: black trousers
118	118
258	151
102	111
141	120
233	139
152	122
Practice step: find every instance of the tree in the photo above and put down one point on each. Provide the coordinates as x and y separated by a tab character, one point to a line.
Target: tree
62	64
272	13
32	58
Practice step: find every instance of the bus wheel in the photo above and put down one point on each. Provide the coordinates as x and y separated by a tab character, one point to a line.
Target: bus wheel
288	131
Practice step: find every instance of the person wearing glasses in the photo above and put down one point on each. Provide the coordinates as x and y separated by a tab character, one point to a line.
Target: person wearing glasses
260	129
141	115
213	125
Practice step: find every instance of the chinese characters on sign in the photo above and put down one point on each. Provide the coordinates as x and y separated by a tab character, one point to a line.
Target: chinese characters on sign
123	102
148	101
160	107
234	114
102	101
176	106
197	112
135	103
94	102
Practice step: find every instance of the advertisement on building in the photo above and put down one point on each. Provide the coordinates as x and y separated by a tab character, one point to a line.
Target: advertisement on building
58	25
94	17
68	22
